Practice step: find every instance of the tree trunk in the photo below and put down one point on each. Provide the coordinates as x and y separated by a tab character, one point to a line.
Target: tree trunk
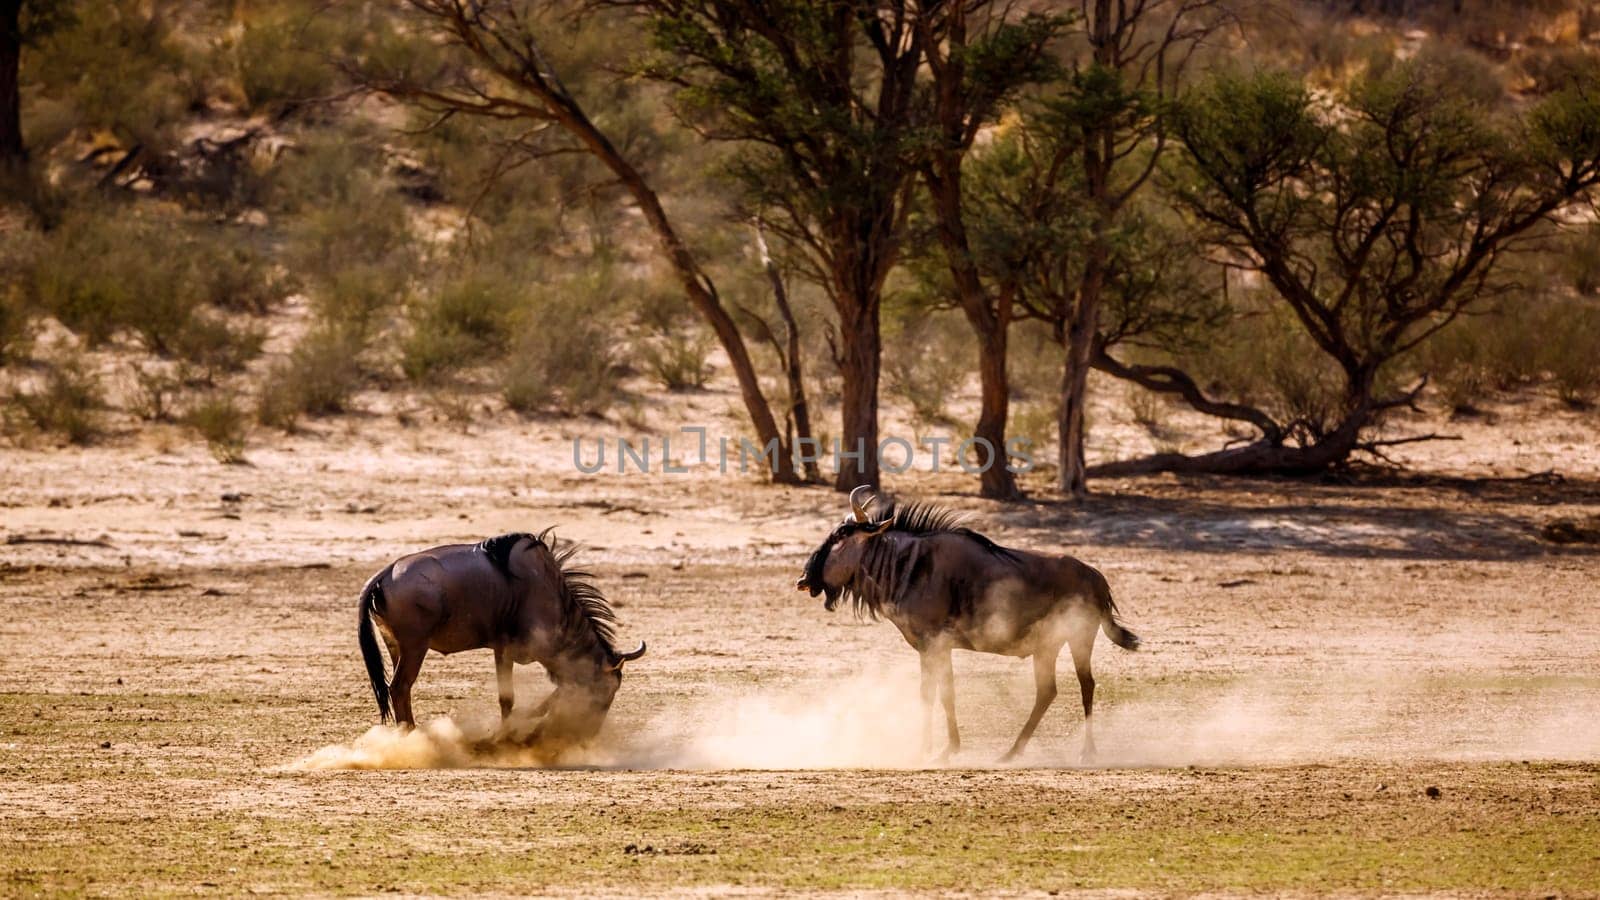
997	481
1079	340
990	319
859	366
789	354
13	155
1264	457
695	283
1105	29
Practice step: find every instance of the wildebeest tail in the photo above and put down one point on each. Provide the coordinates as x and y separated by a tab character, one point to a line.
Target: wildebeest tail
372	599
1120	636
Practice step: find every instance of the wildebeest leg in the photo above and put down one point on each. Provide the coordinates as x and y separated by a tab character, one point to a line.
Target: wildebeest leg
947	694
544	705
1082	645
930	690
1044	685
502	678
406	667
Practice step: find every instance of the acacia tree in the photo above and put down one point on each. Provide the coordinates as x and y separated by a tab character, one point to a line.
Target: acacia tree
501	72
822	95
1031	230
1375	221
1113	132
983	58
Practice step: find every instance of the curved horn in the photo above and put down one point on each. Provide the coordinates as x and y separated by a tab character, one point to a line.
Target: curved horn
629	657
858	506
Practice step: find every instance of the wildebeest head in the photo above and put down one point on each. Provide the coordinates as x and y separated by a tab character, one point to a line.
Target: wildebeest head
585	688
833	564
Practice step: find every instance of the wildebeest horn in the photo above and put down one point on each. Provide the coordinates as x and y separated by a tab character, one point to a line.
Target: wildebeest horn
629	657
858	506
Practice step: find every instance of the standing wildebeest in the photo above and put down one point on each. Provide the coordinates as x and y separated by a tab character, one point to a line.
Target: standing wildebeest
947	587
514	594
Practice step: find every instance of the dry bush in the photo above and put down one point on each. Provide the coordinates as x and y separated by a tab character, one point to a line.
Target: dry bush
154	389
927	359
17	251
459	325
239	277
1579	259
1571	352
348	243
1034	363
1150	412
16	325
677	358
319	378
1529	339
1264	359
122	67
223	423
563	356
1035	421
70	403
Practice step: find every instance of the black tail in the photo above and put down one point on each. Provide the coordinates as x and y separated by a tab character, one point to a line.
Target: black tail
1120	636
371	600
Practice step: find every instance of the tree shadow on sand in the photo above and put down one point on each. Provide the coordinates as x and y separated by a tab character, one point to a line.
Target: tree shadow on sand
1375	516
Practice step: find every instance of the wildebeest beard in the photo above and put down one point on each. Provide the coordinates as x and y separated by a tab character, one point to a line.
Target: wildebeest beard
813	576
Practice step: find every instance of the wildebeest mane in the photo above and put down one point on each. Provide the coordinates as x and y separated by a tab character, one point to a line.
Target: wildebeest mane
925	518
584	609
889	570
498	548
583	606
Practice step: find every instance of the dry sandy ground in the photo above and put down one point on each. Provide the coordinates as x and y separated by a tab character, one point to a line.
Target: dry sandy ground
1389	686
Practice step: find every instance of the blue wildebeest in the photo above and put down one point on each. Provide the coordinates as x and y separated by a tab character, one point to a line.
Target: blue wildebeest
947	587
515	594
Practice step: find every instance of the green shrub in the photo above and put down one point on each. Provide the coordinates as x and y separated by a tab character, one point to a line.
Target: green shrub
215	347
280	57
121	66
108	271
69	403
357	301
220	420
457	326
238	277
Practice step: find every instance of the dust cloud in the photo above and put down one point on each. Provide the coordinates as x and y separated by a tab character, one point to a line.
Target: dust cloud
876	723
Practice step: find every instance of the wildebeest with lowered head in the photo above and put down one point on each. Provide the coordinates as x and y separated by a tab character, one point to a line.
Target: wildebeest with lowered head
515	594
947	587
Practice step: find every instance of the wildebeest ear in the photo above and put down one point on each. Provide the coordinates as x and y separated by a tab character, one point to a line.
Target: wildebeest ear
880	528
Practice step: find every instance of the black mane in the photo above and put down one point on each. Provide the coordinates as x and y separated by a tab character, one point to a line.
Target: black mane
925	518
584	608
498	548
583	603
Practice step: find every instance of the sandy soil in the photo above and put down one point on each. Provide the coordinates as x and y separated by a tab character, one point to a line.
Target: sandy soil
1370	687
